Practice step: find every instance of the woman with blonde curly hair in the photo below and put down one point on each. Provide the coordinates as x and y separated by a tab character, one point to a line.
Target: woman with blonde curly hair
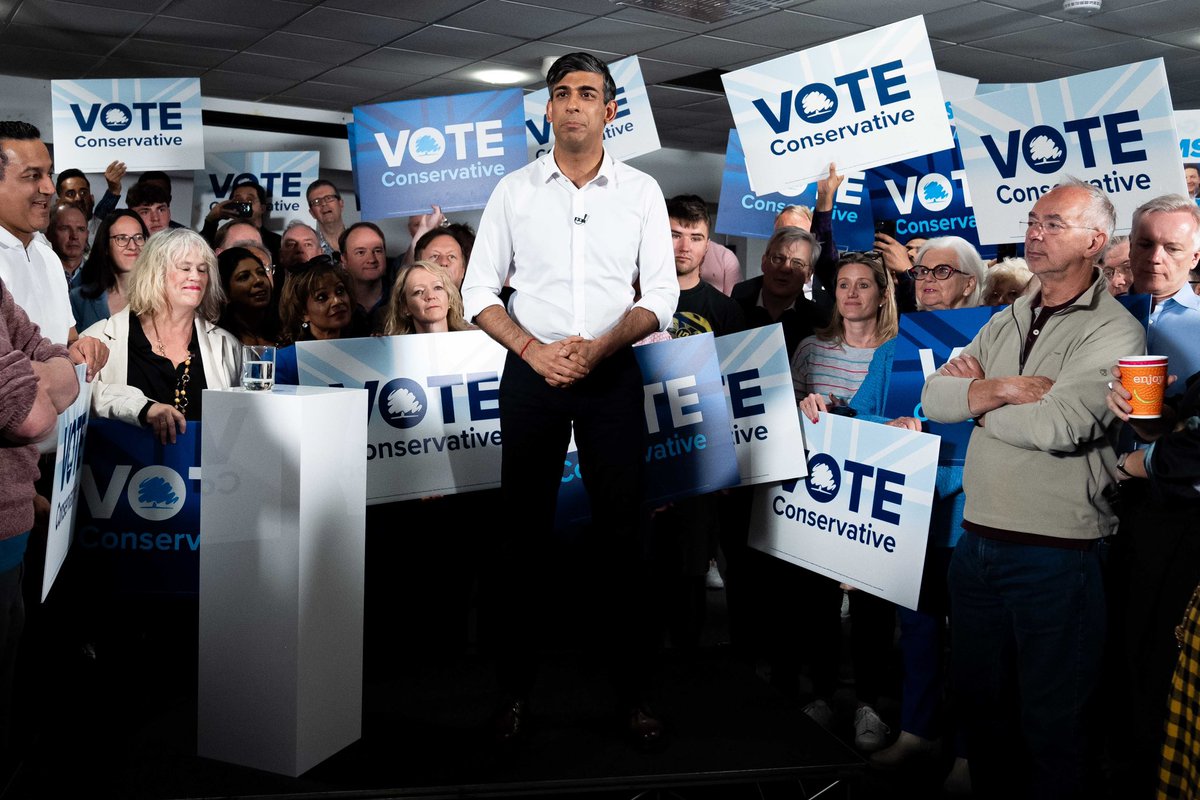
165	347
425	299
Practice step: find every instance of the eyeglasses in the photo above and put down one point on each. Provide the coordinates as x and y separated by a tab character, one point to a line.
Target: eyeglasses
324	201
1052	228
124	240
941	272
778	260
1124	269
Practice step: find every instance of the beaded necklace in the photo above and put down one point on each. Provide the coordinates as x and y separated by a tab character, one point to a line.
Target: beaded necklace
181	398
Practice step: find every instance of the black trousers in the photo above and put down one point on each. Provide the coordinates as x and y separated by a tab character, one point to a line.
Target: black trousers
606	409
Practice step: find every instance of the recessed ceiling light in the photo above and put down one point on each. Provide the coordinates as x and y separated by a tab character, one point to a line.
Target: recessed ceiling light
504	77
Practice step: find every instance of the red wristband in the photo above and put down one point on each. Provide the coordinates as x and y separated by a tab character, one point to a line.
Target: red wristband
526	347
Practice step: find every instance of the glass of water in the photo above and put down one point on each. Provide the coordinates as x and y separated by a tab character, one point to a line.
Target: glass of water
258	367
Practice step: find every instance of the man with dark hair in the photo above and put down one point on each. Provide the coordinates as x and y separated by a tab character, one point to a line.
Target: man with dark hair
364	255
162	180
246	196
1191	173
73	186
702	308
153	205
326	206
778	294
68	234
573	232
28	265
449	247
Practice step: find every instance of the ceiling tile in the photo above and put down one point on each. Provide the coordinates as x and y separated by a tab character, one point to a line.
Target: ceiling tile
979	20
57	40
257	64
875	12
529	56
374	79
434	87
264	14
709	51
123	68
205	34
124	5
1051	41
515	19
1151	19
790	30
45	64
661	20
655	71
420	10
72	17
991	67
670	97
448	41
1129	51
597	7
325	51
241	86
145	50
351	26
410	63
1186	38
345	96
617	36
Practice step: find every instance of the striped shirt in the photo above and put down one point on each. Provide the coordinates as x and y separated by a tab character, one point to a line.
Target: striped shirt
826	368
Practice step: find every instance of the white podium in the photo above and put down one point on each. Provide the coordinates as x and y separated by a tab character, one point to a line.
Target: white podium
283	514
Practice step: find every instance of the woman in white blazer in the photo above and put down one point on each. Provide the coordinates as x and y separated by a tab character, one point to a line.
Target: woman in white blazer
165	348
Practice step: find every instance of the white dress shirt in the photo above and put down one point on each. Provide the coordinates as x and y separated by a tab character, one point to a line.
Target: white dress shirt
35	277
574	254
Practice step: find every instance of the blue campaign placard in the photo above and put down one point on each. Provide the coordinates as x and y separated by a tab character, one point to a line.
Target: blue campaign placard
1114	128
444	151
928	339
149	123
927	196
741	212
284	175
138	524
688	447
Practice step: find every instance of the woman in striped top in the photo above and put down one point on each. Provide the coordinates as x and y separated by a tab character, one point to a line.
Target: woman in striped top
833	361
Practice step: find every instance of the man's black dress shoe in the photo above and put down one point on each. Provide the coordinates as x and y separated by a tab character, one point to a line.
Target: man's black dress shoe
645	731
509	723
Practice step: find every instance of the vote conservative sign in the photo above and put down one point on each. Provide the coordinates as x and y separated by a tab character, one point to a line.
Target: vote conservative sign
444	151
433	406
865	100
1114	128
149	123
284	175
862	515
632	132
1188	125
742	212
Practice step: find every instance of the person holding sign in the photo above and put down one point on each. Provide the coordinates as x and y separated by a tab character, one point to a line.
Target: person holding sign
586	241
953	271
166	347
1026	580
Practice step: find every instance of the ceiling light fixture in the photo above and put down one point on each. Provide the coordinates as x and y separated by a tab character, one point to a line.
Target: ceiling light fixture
1081	7
504	77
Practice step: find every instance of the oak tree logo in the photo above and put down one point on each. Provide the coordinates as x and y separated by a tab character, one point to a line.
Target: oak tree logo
156	493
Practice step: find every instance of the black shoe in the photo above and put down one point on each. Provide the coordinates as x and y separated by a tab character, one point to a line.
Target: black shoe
645	731
508	725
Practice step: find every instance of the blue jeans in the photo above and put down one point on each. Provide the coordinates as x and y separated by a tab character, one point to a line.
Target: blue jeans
1028	628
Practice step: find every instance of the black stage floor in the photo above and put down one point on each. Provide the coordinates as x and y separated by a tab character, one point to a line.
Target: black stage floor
731	736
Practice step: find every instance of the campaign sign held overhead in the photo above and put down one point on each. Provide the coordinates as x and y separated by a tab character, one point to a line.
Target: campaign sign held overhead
445	151
862	515
149	123
1113	128
285	176
632	132
869	99
741	212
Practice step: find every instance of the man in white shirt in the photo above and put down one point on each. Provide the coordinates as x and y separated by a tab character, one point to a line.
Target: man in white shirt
576	232
28	265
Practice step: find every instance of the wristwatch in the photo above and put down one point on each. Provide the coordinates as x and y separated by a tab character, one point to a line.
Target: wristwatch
1121	464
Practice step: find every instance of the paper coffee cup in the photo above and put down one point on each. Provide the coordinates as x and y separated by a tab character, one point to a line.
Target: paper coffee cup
1145	378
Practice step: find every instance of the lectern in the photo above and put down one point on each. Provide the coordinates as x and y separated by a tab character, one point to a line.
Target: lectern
282	546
